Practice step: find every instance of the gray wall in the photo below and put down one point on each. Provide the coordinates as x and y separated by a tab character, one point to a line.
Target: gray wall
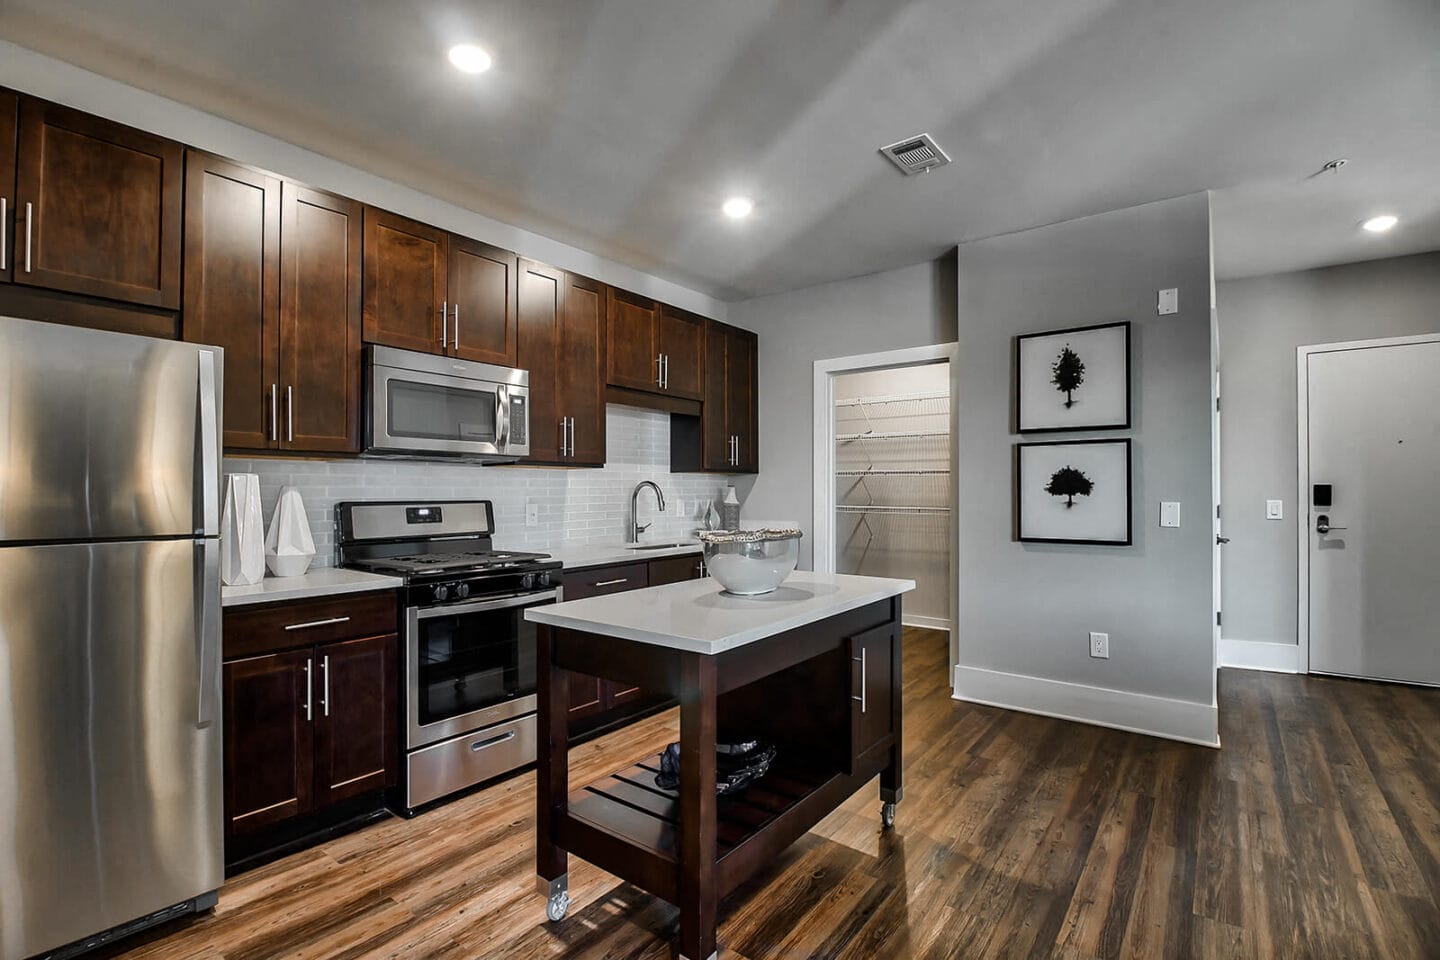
909	307
1026	608
1262	321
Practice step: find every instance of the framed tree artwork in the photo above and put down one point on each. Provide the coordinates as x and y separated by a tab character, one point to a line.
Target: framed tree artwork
1074	491
1077	379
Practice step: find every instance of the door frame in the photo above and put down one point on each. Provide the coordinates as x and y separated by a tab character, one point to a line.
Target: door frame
823	520
1302	494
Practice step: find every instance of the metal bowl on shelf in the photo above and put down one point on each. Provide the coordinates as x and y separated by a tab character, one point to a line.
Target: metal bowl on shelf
749	563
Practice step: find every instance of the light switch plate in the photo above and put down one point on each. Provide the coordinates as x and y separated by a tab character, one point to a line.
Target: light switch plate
1169	302
532	514
1169	513
1274	509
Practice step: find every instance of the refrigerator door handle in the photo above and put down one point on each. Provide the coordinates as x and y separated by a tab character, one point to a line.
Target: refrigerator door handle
206	469
207	627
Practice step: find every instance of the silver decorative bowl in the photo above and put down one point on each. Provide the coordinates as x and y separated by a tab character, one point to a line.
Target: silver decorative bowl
750	562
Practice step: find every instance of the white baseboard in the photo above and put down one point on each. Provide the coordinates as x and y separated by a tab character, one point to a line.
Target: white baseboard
1262	655
929	623
1135	712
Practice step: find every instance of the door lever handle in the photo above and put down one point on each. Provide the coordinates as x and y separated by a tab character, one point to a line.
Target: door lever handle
1323	524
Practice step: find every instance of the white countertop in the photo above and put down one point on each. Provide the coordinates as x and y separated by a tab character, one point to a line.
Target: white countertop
604	555
695	615
318	582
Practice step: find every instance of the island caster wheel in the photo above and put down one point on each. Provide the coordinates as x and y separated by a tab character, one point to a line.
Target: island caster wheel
887	815
557	906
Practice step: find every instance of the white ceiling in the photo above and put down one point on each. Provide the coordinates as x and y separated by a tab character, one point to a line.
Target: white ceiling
620	125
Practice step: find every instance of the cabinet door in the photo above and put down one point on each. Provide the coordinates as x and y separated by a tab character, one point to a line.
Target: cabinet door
631	351
319	321
681	339
98	207
482	302
541	301
676	569
355	718
741	419
581	374
268	773
714	425
586	696
872	660
406	275
9	118
232	278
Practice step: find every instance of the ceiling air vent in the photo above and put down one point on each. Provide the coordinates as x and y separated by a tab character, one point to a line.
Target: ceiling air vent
916	154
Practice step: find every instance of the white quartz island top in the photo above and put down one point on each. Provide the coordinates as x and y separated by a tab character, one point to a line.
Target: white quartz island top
697	616
319	582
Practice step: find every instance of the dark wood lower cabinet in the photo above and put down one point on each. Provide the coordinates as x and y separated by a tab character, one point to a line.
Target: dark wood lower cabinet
598	706
311	722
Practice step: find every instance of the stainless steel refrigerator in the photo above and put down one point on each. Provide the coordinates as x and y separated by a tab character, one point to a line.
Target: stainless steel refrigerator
110	735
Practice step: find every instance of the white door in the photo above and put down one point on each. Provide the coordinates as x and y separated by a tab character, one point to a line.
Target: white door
1373	435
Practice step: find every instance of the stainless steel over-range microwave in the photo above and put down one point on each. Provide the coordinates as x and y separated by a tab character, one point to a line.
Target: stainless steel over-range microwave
422	406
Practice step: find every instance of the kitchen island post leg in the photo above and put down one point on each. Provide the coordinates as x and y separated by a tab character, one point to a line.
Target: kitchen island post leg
698	887
552	775
892	785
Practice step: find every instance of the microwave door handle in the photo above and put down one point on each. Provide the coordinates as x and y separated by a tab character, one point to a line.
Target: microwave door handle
502	417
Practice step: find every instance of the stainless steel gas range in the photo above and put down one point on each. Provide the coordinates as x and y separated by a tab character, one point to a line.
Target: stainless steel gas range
469	655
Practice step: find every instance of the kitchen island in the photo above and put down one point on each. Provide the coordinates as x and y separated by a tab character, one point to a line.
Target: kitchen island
812	668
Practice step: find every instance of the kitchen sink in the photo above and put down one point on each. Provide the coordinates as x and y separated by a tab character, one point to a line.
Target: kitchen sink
661	546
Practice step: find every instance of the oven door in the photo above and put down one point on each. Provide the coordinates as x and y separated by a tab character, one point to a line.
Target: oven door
469	664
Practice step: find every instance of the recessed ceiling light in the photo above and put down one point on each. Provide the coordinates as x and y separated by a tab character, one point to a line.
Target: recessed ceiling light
1381	223
469	58
737	208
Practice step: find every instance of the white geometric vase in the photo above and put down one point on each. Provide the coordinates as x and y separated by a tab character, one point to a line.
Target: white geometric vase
289	547
242	536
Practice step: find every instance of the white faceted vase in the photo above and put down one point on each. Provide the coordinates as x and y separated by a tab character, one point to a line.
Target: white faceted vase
289	547
242	536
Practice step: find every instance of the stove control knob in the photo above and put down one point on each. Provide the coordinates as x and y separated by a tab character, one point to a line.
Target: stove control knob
440	593
462	590
527	581
545	580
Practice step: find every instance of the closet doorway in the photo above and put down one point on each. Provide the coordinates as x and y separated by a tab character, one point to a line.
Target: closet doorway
885	489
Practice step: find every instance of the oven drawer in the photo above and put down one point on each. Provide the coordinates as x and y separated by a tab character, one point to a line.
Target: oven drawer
443	768
267	627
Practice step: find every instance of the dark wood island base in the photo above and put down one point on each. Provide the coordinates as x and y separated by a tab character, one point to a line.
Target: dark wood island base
827	694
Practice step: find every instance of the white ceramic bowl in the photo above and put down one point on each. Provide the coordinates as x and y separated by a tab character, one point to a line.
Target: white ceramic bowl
289	565
750	563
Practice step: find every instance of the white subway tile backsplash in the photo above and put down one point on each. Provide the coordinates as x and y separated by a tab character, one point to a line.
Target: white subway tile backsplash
576	505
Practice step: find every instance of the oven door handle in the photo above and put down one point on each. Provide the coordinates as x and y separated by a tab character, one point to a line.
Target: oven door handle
479	606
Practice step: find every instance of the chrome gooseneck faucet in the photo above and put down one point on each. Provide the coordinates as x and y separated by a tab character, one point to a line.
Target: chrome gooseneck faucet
636	527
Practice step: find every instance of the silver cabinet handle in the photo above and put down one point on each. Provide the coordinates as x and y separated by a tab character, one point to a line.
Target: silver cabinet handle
316	623
289	414
309	691
455	340
660	370
863	684
3	231
29	211
572	436
325	684
610	583
479	745
445	324
274	411
667	371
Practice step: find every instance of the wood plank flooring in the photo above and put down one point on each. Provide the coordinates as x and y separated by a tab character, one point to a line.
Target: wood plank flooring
1314	832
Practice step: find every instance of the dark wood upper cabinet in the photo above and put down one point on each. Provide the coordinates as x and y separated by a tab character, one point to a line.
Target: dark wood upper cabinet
97	207
407	267
355	725
633	360
268	754
581	375
232	281
9	120
680	339
725	437
482	296
541	303
319	330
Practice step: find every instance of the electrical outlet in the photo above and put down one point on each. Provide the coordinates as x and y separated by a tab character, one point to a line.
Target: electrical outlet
1168	302
1100	645
680	507
532	514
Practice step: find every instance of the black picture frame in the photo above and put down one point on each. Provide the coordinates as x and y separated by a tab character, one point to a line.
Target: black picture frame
1121	423
1021	482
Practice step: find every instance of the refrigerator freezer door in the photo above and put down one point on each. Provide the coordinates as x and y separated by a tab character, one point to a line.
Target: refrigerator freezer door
110	790
106	435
